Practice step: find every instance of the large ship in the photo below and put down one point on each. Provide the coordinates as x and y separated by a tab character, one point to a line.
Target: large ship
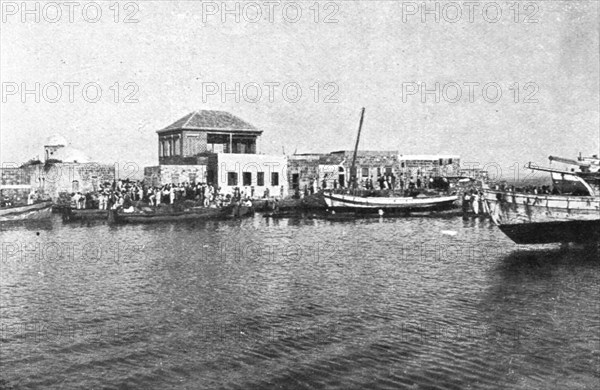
569	212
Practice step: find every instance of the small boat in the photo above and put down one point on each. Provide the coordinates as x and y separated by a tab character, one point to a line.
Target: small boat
194	214
36	211
70	214
571	214
240	211
392	203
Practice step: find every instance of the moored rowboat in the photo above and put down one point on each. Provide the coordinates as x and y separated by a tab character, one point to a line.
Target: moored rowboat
375	203
34	211
188	215
70	214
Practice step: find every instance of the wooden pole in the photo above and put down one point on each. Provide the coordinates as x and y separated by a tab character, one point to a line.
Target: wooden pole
353	175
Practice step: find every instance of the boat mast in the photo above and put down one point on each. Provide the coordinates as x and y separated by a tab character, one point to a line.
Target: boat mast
353	166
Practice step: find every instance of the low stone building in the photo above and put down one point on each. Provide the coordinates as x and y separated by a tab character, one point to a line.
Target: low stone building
15	183
370	164
55	178
430	165
65	170
332	170
303	171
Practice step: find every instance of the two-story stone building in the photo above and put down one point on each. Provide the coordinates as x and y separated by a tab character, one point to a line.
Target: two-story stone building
218	148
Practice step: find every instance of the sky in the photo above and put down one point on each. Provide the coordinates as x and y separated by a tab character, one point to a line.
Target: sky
176	57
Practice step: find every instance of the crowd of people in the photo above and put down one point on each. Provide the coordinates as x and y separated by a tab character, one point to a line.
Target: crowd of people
530	189
472	200
125	194
403	183
19	199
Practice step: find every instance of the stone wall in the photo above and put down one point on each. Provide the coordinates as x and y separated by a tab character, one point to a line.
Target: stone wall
50	180
302	171
15	184
53	179
333	170
254	174
371	164
165	174
180	160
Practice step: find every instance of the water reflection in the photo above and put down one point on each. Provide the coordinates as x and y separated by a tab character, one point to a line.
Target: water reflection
299	303
33	225
542	308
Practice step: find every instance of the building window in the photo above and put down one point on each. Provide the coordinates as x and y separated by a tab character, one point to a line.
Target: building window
388	171
218	143
365	172
75	186
247	178
232	178
274	179
160	149
260	179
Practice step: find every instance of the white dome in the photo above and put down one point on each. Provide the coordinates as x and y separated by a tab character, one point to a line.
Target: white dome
56	140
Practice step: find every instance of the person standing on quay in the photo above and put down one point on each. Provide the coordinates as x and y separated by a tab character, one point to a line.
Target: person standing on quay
475	201
171	195
206	196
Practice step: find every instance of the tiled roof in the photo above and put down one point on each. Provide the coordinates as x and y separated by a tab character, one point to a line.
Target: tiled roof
211	120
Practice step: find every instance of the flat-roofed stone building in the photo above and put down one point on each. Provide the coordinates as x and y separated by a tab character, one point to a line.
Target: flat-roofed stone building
65	170
332	170
430	164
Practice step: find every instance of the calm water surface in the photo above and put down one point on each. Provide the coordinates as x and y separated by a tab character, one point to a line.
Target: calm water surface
415	303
